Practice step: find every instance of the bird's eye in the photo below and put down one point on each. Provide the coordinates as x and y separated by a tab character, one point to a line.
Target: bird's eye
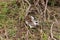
36	22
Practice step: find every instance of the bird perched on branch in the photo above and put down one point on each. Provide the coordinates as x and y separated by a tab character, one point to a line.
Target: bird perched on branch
31	21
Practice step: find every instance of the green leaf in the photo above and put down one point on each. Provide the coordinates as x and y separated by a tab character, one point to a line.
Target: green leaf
45	36
4	10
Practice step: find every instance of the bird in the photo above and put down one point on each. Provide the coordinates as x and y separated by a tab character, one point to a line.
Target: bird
31	21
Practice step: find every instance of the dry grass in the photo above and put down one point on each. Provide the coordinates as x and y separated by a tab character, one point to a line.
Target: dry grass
13	26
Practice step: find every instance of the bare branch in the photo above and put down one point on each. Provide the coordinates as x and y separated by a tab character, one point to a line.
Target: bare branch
51	31
27	8
45	10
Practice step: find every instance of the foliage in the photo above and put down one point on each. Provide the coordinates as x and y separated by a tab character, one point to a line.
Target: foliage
10	15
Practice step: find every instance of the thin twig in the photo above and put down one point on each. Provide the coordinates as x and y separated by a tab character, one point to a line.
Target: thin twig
45	10
28	32
51	31
36	3
56	21
27	8
6	33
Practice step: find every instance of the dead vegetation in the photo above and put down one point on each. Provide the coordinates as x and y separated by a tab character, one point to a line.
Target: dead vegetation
13	15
